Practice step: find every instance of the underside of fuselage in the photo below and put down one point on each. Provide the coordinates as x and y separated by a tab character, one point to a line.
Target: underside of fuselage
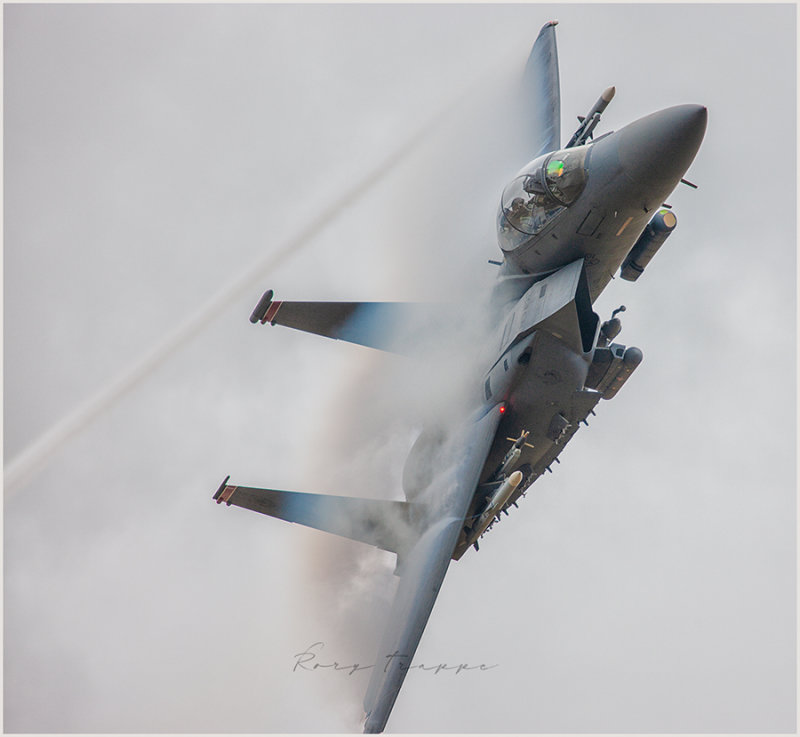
545	405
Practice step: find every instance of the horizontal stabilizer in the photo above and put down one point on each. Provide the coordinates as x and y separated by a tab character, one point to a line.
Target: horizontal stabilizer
387	326
388	525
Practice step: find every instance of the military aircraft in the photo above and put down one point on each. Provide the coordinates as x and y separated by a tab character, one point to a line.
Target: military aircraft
567	222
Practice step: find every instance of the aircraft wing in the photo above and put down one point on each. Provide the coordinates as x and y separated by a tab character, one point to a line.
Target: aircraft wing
423	536
387	326
542	93
425	566
385	524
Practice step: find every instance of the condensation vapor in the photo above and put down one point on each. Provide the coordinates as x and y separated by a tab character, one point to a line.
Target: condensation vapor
24	467
391	395
449	192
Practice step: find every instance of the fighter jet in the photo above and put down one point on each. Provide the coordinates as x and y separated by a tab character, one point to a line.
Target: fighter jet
567	222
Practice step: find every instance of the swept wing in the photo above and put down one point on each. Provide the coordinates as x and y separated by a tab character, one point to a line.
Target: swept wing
384	524
386	326
423	534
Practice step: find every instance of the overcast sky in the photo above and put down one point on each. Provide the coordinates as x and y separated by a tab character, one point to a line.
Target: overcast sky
154	155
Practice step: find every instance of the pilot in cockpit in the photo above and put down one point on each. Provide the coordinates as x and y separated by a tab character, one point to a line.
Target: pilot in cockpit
519	212
517	207
544	188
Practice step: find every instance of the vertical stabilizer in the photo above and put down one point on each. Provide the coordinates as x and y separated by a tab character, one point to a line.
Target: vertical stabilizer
542	93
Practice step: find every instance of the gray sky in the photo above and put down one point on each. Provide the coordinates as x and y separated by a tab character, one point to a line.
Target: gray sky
153	154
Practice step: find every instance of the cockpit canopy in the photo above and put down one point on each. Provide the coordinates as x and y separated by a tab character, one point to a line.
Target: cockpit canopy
547	185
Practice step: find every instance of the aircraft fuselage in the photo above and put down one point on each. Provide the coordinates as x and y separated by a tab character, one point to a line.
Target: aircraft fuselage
628	175
541	380
517	371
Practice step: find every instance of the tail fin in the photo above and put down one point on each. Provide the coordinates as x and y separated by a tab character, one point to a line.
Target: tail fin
542	92
388	525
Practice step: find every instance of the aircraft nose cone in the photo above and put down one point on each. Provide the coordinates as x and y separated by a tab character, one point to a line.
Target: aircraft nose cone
659	148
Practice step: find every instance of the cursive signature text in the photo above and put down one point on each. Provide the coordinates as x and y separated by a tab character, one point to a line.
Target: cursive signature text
309	660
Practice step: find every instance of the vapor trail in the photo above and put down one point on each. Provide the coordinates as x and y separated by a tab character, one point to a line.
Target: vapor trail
24	466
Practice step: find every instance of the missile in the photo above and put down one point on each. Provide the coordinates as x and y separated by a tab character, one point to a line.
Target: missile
602	102
511	459
589	123
500	497
496	503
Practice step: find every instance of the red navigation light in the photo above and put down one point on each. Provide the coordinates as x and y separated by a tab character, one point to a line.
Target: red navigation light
503	408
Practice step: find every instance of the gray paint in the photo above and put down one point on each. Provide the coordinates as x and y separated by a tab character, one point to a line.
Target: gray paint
112	113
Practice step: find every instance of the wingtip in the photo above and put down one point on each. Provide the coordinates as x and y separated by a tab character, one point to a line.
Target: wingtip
221	489
260	311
